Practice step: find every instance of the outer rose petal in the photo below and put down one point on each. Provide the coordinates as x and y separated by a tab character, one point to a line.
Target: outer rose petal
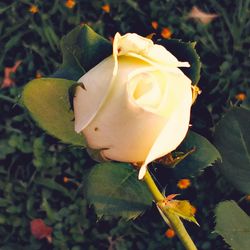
173	133
134	45
124	130
97	83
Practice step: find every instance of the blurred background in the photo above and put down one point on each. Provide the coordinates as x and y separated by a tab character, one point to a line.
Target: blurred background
42	178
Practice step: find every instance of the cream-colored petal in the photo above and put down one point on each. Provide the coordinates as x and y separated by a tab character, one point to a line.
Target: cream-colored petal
142	172
144	89
134	45
124	131
173	133
169	66
115	52
176	88
132	42
90	96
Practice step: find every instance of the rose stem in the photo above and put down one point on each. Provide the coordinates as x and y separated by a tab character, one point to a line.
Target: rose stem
174	220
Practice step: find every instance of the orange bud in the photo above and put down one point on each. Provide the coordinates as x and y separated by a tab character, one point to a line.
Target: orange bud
166	33
38	74
170	233
155	25
241	96
33	9
183	183
70	4
106	8
65	179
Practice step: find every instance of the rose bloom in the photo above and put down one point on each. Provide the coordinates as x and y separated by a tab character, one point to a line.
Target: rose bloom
134	106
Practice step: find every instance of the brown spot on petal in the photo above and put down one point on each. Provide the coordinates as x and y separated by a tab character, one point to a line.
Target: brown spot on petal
96	129
119	50
81	84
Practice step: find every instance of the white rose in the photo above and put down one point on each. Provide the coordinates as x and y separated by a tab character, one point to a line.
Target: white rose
134	105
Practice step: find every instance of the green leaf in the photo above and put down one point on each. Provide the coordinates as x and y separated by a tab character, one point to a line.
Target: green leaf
51	214
4	202
180	208
82	49
233	224
114	190
204	155
232	137
185	52
52	185
48	103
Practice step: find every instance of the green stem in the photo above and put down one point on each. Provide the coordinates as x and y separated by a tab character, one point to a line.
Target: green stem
174	220
9	99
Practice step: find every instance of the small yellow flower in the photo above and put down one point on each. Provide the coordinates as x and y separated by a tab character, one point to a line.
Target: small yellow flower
155	25
241	96
183	183
170	233
70	4
166	33
33	9
106	8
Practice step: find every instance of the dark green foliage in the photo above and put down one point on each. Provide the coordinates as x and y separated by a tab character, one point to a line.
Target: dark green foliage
82	49
232	137
185	52
114	190
233	224
48	103
204	154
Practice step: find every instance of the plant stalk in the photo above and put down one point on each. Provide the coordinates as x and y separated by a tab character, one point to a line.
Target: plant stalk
174	220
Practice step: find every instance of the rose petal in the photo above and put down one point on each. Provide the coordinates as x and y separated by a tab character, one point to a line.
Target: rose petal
130	137
90	97
137	46
145	88
174	131
178	86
